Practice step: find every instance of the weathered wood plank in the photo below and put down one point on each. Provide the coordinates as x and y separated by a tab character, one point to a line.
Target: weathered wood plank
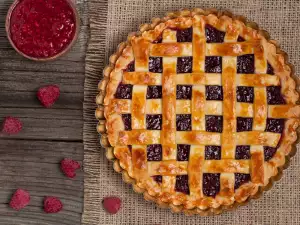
29	99
35	215
46	124
13	81
28	160
34	166
39	151
68	189
55	66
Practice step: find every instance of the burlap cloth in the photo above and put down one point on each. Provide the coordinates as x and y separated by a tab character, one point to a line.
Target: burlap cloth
110	23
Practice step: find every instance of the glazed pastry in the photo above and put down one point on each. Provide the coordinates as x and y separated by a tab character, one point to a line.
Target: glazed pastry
200	111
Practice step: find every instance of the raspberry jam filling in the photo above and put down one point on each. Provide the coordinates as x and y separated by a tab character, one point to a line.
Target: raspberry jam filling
270	69
213	35
157	178
155	64
154	122
242	152
127	121
245	64
183	122
154	152
243	124
240	39
184	64
213	64
185	35
130	67
184	92
211	184
183	152
214	92
214	123
154	92
212	152
42	28
182	184
269	152
274	96
275	125
124	91
245	94
240	178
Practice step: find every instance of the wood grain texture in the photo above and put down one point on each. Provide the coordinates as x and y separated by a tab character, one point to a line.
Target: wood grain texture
30	159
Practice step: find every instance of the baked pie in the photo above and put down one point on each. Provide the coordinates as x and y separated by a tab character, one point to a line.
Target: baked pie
200	111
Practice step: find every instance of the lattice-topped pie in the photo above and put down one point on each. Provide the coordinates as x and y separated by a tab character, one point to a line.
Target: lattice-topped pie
200	110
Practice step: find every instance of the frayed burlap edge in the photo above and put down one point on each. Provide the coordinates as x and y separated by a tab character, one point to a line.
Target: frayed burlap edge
95	58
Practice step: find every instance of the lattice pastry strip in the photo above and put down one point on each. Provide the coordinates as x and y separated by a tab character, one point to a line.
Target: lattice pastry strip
195	111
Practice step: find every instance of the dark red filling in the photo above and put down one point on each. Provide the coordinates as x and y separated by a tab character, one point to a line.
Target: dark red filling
211	184
240	39
184	64
185	35
213	35
127	121
41	28
157	178
155	64
130	67
182	184
269	152
212	152
154	152
275	125
154	122
242	152
270	69
183	152
184	92
245	64
124	91
214	123
274	96
240	178
183	122
214	92
243	124
245	94
154	92
213	64
158	40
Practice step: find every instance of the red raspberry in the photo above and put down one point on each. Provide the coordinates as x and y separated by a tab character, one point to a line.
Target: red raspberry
52	204
112	204
48	95
19	200
68	166
11	125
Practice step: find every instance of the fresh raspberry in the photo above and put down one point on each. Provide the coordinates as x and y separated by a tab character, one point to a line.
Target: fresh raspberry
48	95
68	166
112	204
52	204
11	125
19	200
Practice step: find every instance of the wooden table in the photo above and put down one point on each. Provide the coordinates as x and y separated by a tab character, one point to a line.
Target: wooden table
30	160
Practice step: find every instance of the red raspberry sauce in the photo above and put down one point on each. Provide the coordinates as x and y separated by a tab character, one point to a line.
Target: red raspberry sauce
42	28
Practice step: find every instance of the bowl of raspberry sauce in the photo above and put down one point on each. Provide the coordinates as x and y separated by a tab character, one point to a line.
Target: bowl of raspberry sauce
42	30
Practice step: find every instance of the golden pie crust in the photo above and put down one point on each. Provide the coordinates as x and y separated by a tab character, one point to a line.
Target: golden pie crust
133	162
